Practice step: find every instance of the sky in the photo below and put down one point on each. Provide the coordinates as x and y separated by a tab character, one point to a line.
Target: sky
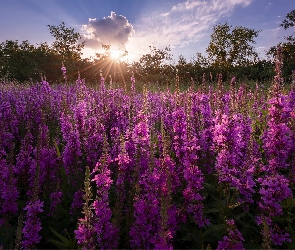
134	25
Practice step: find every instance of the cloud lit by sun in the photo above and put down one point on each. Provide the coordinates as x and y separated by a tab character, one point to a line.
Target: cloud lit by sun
114	30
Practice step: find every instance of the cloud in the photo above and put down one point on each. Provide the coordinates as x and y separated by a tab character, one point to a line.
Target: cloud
114	30
274	29
184	23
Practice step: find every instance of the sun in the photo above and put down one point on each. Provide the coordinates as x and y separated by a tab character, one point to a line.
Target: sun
116	54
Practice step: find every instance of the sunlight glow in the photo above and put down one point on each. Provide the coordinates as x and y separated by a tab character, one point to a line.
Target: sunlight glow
116	55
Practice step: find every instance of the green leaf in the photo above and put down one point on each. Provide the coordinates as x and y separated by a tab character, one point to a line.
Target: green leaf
61	237
68	243
210	187
58	244
57	149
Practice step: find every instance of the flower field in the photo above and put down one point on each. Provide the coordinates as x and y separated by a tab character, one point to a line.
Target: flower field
105	168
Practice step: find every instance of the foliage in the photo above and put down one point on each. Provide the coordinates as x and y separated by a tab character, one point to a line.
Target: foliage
230	47
288	47
67	46
65	242
290	20
153	66
66	42
26	62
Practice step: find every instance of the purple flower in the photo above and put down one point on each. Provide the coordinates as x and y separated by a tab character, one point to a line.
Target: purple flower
233	239
278	236
93	141
274	189
63	69
233	81
191	193
72	152
77	203
85	234
278	147
64	72
179	132
106	232
232	139
207	155
8	188
32	224
278	138
141	139
101	80
124	171
80	116
55	199
144	232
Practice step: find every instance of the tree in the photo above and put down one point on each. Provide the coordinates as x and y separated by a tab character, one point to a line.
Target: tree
186	70
25	62
66	41
17	60
8	54
47	63
289	22
288	47
151	66
67	45
231	47
200	61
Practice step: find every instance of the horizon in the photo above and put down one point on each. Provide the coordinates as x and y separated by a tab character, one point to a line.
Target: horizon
184	25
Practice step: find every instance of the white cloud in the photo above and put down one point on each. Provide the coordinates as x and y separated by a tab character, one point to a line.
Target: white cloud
114	30
272	30
184	23
165	14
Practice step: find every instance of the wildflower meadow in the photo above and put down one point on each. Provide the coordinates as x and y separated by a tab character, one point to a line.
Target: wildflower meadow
208	167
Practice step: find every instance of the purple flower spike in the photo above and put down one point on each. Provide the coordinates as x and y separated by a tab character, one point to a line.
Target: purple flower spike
233	240
32	225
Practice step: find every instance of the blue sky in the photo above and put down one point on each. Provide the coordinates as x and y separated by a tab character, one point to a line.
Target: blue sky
185	25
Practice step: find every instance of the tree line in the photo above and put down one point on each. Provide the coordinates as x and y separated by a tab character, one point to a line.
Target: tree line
230	52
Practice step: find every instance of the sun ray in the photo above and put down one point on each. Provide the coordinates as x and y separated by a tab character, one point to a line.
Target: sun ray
108	70
122	76
109	64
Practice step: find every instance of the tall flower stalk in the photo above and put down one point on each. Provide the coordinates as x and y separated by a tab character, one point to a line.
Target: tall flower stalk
32	224
106	232
278	147
85	234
